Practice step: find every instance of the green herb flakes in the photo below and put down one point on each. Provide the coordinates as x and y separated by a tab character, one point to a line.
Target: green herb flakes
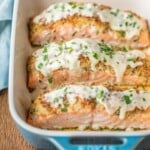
56	99
45	57
45	49
114	12
127	99
134	24
106	49
126	23
81	7
124	49
40	65
143	99
104	60
73	43
55	6
100	94
70	49
122	33
85	46
63	8
130	16
73	5
64	109
60	47
65	90
131	59
95	55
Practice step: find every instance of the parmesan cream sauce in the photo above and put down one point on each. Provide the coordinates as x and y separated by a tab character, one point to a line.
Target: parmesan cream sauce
122	101
55	56
118	20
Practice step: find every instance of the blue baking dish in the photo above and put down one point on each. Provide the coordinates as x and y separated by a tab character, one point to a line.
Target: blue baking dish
20	98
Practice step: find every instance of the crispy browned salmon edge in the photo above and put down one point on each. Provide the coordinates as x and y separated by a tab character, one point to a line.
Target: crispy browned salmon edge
141	41
105	75
41	113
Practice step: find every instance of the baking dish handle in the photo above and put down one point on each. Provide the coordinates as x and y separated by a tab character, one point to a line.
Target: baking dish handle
63	143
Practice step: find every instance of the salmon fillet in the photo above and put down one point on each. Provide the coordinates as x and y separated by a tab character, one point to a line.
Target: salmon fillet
92	68
103	74
80	26
86	114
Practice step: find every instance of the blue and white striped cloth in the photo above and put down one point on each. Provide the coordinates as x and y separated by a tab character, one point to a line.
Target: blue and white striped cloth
6	9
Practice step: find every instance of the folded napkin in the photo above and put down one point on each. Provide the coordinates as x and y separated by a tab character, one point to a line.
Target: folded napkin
6	9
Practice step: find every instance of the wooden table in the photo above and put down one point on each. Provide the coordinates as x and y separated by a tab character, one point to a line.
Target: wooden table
10	137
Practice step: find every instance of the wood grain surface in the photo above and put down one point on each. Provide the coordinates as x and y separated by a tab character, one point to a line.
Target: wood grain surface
10	137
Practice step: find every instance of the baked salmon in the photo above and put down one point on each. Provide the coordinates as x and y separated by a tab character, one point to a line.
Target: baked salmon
65	21
92	107
85	61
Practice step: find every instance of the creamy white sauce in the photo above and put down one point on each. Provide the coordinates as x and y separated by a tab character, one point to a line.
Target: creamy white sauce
122	101
55	56
118	20
122	21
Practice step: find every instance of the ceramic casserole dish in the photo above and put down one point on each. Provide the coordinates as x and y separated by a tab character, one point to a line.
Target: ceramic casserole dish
20	98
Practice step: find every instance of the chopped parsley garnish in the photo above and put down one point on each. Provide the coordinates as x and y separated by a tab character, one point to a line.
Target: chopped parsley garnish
64	109
100	94
130	16
63	7
131	94
143	99
104	59
45	57
122	33
45	49
65	90
50	80
95	55
51	62
56	99
127	99
73	5
131	59
114	13
81	7
70	49
126	23
49	11
106	49
134	24
73	43
60	47
56	6
124	49
40	65
85	46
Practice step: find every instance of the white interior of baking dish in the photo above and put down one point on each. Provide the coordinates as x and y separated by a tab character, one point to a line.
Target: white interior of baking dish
19	96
